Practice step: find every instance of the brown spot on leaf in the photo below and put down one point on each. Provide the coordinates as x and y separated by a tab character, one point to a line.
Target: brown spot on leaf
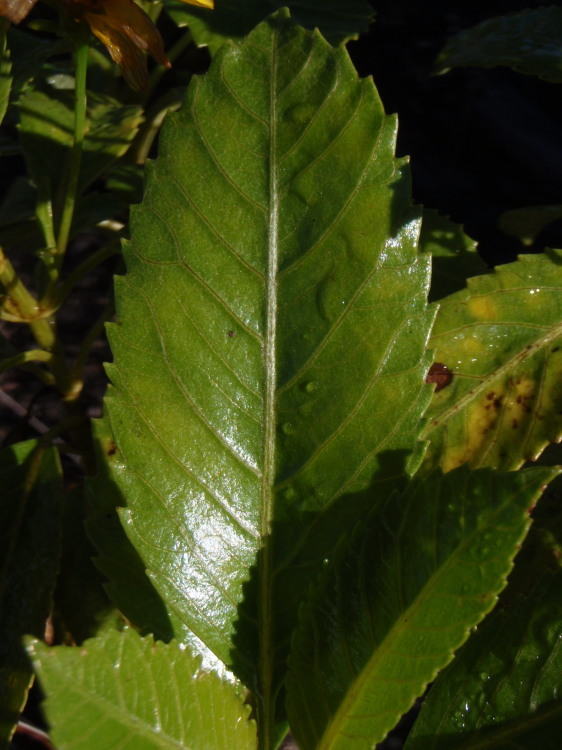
491	395
514	423
231	334
111	448
440	375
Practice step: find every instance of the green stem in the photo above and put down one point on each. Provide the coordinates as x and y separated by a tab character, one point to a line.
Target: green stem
19	305
173	53
70	196
151	127
33	355
58	297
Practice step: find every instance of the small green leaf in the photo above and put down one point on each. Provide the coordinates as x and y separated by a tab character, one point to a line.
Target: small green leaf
503	688
453	253
121	691
30	519
529	42
338	20
5	70
500	340
526	223
389	615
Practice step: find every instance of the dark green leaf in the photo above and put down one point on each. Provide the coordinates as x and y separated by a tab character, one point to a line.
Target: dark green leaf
29	55
529	42
129	587
80	603
5	70
500	340
46	131
526	223
453	253
30	519
389	614
338	20
270	345
503	688
120	691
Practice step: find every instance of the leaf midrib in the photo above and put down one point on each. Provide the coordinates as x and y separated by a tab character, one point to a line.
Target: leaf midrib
265	616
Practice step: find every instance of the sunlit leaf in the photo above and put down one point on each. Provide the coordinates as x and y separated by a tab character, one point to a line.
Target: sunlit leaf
273	320
503	688
391	612
453	253
30	518
120	691
501	341
338	20
529	42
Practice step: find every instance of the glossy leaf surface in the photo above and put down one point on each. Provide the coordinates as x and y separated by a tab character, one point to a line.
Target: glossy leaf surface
270	345
30	518
121	691
338	20
454	255
528	42
379	627
503	688
501	340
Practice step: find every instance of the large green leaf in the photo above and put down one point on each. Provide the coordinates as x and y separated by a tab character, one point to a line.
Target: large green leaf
503	688
30	519
270	345
121	691
338	20
499	343
529	42
391	612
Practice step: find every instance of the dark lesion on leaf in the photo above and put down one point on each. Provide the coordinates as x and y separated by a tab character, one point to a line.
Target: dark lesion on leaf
440	375
111	449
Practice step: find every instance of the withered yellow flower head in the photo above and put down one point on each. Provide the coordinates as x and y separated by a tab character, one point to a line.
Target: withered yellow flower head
123	27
